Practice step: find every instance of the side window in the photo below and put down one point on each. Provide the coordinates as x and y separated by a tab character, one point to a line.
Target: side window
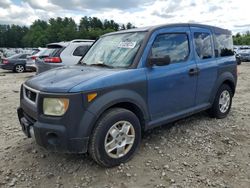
203	45
224	45
81	50
24	56
175	46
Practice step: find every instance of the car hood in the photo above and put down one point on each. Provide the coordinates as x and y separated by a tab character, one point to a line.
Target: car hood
62	79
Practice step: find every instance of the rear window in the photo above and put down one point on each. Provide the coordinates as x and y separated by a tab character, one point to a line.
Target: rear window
51	52
24	56
81	50
224	45
16	56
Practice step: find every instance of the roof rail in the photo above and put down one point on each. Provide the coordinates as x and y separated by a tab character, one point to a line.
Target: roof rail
82	40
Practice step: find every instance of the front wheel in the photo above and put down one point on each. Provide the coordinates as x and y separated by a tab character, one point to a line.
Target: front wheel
222	102
116	137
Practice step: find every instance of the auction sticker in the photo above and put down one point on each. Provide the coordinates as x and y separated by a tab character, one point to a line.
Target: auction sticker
126	44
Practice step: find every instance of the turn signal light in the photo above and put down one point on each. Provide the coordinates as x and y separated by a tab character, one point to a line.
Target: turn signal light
91	96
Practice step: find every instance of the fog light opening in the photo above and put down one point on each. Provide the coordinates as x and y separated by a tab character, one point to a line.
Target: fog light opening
53	139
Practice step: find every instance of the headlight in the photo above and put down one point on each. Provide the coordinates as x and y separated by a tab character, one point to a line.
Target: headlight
55	106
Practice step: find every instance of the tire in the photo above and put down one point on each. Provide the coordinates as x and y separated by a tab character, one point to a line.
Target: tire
238	61
19	68
123	125
218	110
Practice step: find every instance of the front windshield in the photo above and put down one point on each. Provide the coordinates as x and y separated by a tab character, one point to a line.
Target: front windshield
116	50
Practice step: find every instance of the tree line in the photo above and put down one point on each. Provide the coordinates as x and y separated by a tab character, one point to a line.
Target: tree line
57	29
242	39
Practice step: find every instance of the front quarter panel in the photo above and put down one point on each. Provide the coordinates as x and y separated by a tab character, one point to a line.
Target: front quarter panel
130	90
109	99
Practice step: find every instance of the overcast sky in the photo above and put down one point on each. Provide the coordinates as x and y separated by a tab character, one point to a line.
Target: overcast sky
230	14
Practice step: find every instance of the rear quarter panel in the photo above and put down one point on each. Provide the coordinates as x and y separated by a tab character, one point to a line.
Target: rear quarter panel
227	71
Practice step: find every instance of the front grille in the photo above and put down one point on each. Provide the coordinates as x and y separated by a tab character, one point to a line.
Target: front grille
30	94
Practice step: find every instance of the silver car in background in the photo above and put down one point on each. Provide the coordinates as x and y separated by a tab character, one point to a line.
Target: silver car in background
244	53
30	62
62	54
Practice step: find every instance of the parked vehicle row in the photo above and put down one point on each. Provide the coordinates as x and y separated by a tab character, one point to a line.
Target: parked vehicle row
62	54
53	56
16	63
242	53
128	82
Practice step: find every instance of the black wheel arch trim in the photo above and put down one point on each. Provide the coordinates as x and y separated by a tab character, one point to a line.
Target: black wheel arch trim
225	77
106	101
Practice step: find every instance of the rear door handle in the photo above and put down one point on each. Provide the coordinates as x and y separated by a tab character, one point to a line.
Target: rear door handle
194	71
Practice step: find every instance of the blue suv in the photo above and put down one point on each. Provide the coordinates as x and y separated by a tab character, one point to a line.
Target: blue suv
128	82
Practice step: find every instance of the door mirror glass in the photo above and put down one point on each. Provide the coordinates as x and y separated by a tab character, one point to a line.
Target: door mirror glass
159	61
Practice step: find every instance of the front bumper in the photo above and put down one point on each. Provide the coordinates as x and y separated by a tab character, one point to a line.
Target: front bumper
50	136
68	133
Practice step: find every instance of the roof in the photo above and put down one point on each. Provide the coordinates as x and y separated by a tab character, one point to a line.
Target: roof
66	43
152	28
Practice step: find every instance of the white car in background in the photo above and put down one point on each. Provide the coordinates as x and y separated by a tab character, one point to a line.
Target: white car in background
62	54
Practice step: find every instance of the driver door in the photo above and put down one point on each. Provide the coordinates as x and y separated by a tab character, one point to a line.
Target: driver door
172	88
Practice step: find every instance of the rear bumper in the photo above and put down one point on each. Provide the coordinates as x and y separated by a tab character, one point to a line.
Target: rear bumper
6	66
31	67
51	136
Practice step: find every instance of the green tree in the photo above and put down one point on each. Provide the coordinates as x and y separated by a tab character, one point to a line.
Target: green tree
58	29
36	35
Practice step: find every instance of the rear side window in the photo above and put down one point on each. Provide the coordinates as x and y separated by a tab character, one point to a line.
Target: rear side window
174	45
203	45
224	45
24	56
81	50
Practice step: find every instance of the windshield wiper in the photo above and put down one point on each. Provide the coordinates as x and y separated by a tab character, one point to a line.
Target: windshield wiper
101	65
96	64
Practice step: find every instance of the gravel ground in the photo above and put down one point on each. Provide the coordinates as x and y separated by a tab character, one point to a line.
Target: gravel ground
194	152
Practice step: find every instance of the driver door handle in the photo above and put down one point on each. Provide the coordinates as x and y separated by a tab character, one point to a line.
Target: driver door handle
194	71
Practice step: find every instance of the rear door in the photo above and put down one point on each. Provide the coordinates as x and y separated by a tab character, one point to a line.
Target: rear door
22	58
206	63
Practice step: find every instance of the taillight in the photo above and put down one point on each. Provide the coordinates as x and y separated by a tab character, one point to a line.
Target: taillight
33	57
5	61
52	60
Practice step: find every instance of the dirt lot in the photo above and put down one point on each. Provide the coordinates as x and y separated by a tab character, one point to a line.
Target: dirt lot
195	152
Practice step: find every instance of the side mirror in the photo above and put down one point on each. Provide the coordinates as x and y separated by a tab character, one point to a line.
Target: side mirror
161	61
